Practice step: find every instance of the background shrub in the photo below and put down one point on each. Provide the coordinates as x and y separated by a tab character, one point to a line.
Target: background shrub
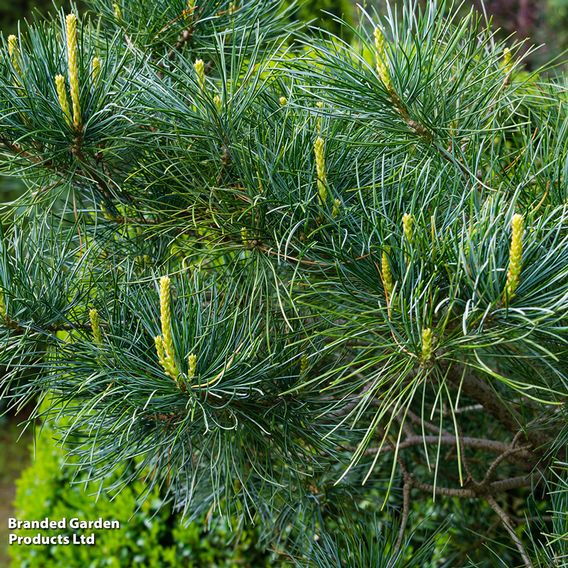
150	534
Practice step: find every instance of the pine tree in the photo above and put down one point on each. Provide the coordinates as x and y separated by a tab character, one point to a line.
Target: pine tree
316	286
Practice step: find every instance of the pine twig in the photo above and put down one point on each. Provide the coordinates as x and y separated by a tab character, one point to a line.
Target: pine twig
407	487
506	521
475	492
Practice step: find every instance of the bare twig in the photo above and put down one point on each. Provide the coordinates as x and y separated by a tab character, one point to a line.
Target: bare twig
475	492
185	37
499	459
479	390
506	521
405	510
492	446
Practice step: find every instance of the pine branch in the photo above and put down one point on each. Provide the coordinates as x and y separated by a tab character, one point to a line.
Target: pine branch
477	443
474	492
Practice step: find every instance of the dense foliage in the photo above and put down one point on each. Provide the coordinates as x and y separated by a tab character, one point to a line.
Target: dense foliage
314	285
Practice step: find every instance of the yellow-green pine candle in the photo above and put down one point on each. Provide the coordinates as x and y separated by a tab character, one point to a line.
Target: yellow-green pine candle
199	67
232	8
190	9
14	53
283	101
96	326
191	366
163	359
166	318
160	349
319	151
381	53
336	208
96	69
407	222
71	28
507	60
2	306
515	255
245	238
117	11
167	364
386	274
427	338
165	342
218	102
62	96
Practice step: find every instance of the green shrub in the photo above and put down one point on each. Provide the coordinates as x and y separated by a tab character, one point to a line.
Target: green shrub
150	533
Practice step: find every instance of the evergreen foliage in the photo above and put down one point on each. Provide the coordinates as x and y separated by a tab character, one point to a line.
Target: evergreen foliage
313	285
